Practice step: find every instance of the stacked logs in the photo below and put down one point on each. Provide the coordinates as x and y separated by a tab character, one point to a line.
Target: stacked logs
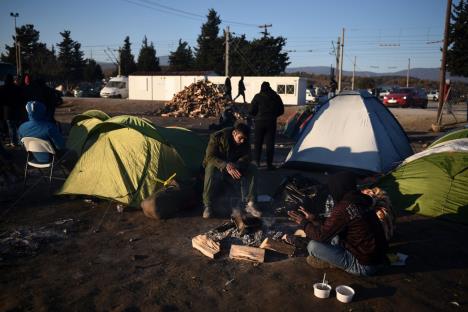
200	99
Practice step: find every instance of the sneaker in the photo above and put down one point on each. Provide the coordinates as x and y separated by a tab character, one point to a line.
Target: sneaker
207	212
252	209
317	263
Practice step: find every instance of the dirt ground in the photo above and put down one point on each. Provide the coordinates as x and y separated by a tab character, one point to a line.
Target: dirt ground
90	257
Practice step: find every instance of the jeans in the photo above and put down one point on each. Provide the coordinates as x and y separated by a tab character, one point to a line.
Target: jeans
340	257
13	131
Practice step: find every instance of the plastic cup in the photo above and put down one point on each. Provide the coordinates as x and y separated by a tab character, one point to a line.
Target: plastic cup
322	290
344	293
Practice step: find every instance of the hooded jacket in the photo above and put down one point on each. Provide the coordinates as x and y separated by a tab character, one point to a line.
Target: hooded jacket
353	220
39	127
266	105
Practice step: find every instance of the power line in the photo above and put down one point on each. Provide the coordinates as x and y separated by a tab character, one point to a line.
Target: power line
181	13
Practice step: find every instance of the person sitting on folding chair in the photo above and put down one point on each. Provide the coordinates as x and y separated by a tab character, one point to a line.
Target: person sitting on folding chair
40	127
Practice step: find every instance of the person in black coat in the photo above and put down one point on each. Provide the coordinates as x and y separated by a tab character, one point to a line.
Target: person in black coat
228	88
266	107
241	88
12	106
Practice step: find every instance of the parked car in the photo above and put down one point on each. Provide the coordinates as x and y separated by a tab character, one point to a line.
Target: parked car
406	97
433	95
117	87
384	91
310	96
87	90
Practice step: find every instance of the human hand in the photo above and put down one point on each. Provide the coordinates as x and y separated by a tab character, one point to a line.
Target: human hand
308	216
296	217
233	172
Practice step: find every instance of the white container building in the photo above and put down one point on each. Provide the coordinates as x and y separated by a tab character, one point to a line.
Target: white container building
292	90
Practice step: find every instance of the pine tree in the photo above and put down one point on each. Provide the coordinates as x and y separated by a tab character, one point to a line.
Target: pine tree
126	59
65	57
92	71
239	63
147	60
266	56
182	58
210	52
78	62
457	56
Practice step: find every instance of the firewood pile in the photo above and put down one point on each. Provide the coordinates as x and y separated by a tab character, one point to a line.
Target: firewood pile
200	99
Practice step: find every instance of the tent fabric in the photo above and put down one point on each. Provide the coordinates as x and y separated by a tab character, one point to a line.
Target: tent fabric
125	158
81	126
459	134
434	184
456	145
353	130
93	113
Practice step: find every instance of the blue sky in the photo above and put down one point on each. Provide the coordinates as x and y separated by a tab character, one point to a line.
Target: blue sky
382	35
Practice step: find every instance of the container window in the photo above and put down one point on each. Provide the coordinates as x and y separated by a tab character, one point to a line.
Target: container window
281	89
289	89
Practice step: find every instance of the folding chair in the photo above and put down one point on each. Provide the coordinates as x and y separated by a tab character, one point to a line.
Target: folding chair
35	145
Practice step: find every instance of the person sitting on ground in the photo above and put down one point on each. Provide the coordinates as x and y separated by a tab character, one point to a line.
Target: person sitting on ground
352	237
39	126
228	157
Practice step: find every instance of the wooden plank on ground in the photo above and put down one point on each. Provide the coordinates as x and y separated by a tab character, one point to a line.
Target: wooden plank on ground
239	252
278	246
300	233
206	245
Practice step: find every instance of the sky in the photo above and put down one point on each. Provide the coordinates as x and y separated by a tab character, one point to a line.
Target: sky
381	35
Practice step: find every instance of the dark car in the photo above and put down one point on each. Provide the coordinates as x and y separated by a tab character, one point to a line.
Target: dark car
406	97
87	90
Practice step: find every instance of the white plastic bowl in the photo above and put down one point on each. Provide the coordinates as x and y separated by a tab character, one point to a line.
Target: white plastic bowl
322	290
344	293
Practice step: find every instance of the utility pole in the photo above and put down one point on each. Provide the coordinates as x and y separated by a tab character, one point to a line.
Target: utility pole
337	56
227	35
407	74
444	62
265	32
341	61
354	71
17	56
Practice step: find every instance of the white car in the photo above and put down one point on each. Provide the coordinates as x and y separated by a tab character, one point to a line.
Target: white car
117	87
310	96
433	95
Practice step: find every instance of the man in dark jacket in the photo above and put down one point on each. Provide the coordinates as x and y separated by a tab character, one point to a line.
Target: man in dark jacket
241	89
228	88
40	127
228	157
12	105
266	107
352	238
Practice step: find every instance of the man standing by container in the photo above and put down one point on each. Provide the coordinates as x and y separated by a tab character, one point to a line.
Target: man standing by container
266	107
228	88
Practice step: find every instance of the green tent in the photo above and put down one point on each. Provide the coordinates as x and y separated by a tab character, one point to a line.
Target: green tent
125	158
432	183
81	125
459	134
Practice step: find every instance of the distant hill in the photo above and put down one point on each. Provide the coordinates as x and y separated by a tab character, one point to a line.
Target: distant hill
421	73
